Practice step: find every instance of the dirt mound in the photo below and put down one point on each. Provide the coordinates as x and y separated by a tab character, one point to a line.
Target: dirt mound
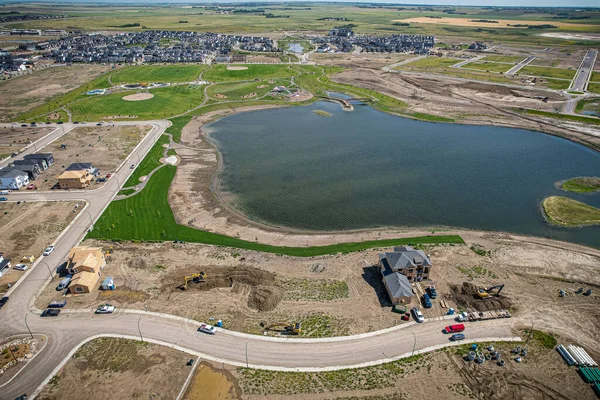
221	277
138	97
249	95
232	68
466	296
264	298
220	96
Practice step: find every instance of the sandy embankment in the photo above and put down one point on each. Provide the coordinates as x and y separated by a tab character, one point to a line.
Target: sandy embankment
138	97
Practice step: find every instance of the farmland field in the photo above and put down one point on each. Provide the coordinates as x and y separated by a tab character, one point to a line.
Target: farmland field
163	73
488	66
220	73
549	72
167	102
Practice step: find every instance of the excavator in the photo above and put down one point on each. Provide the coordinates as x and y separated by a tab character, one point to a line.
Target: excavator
484	293
284	327
196	278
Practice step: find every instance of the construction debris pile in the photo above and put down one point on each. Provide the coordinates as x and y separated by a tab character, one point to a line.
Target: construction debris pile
469	296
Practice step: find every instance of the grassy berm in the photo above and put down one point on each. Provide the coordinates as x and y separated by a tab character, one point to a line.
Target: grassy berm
568	212
582	185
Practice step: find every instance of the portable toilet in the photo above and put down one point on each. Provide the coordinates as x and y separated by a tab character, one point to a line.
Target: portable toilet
108	283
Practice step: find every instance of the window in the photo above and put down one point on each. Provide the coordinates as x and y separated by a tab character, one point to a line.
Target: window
79	289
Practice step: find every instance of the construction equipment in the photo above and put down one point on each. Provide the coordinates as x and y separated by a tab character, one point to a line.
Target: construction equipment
588	292
196	278
284	327
562	293
484	293
108	251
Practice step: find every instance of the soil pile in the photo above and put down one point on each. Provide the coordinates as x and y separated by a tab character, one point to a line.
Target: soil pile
466	296
264	298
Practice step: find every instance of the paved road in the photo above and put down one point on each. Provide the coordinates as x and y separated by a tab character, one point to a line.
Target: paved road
579	84
70	329
44	141
520	65
465	62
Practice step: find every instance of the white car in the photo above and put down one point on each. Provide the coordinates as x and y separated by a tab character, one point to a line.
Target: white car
105	309
21	267
48	250
418	315
462	317
211	330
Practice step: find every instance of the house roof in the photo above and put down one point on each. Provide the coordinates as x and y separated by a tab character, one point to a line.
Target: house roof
398	285
79	166
72	175
91	257
85	278
38	155
10	172
406	256
4	263
107	280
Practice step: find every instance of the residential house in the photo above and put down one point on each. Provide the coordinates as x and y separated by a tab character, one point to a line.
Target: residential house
46	157
84	167
30	166
4	265
13	178
74	179
401	267
83	282
85	264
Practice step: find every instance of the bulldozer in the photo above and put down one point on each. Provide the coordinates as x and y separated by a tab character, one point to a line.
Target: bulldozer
196	278
484	293
284	328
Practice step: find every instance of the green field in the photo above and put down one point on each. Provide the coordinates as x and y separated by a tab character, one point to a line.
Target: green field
582	185
568	212
504	59
556	84
154	74
595	77
220	73
177	125
487	66
147	216
167	102
149	163
235	90
549	72
594	87
592	106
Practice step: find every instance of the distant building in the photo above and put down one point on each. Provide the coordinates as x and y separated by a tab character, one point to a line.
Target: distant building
84	167
342	31
46	158
13	178
74	179
30	166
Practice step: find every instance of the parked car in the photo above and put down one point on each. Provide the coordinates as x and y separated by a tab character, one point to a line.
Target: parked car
211	330
21	267
22	397
48	250
462	317
3	301
418	315
60	122
57	304
32	187
3	199
24	125
426	301
64	283
132	166
406	317
457	336
50	312
105	309
99	124
455	328
5	192
432	292
190	362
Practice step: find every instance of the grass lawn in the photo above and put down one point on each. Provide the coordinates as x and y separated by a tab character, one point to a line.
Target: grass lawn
582	185
147	216
166	102
504	59
548	72
575	118
220	73
595	77
594	87
556	84
177	125
591	105
487	66
235	90
430	63
151	161
126	192
568	212
158	73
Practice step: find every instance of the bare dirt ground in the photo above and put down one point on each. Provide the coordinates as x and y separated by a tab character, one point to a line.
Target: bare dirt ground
244	288
27	91
236	68
27	229
212	383
504	23
104	146
370	60
262	59
15	139
138	97
109	368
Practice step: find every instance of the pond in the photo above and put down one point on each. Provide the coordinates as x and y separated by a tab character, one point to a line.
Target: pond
295	48
364	169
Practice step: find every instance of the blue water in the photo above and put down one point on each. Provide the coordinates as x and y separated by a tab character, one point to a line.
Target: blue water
364	169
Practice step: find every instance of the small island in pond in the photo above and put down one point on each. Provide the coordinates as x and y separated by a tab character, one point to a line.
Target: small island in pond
568	212
322	113
582	185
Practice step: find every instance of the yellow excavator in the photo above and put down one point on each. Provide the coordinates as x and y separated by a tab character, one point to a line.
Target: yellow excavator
484	293
196	278
284	327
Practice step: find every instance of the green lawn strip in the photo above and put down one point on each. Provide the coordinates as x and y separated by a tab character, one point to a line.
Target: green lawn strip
488	66
171	152
147	216
126	192
56	102
582	185
595	76
549	72
430	117
575	118
220	73
568	212
504	59
158	73
166	103
594	87
151	161
556	84
177	125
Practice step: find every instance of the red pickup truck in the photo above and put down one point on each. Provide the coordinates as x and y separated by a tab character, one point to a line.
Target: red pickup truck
455	328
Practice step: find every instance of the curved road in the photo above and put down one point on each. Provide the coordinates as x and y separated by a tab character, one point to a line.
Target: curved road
70	329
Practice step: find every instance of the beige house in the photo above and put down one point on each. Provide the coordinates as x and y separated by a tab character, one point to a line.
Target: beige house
74	179
400	268
85	264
